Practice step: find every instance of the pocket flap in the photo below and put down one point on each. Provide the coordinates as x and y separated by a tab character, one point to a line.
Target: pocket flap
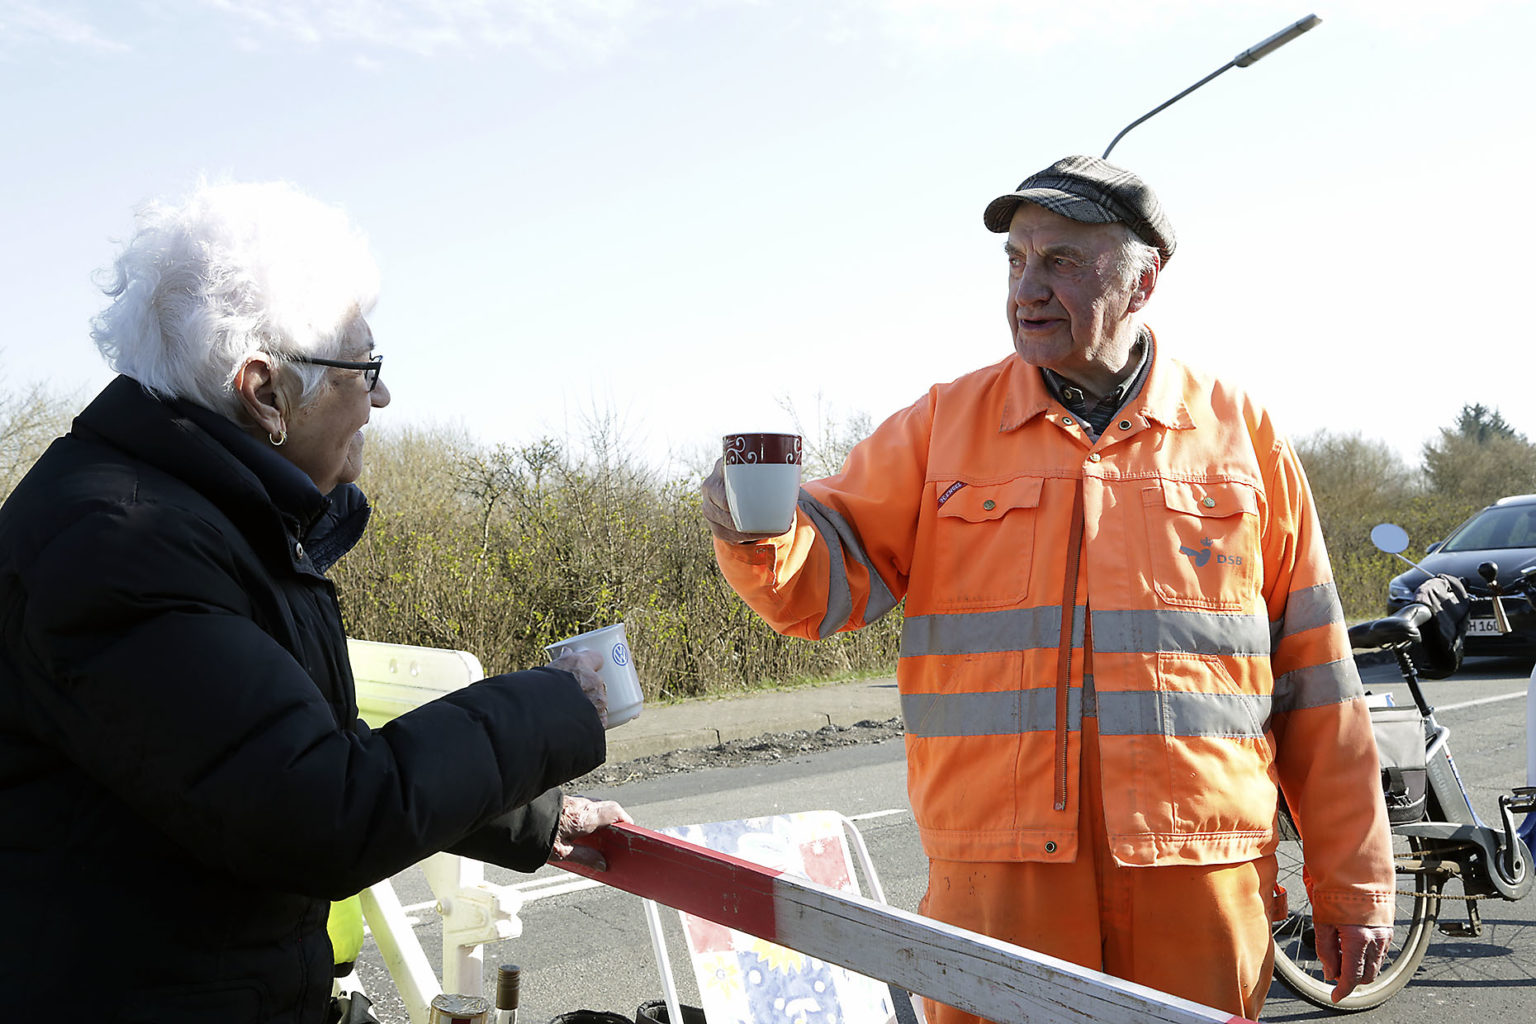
1214	500
978	503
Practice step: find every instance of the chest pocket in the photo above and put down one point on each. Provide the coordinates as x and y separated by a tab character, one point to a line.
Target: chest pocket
1204	544
984	543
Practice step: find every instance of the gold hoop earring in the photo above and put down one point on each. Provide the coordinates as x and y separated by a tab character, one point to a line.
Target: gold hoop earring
278	438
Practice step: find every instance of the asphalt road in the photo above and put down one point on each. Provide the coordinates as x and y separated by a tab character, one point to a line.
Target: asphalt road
586	946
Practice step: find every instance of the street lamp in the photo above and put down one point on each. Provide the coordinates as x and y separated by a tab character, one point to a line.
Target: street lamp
1242	60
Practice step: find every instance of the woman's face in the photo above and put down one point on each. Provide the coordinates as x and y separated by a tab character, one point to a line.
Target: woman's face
325	437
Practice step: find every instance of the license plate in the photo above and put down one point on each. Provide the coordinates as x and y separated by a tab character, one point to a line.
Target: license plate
1483	627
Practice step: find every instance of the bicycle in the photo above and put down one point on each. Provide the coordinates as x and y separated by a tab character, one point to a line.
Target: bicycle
1446	841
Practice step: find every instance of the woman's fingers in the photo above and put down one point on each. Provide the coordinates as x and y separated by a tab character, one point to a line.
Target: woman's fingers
580	817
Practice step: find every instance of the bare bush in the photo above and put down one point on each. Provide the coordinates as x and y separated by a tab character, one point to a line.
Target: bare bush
1357	483
502	550
829	439
30	418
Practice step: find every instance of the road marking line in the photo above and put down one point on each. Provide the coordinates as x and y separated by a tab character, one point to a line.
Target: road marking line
1521	695
557	890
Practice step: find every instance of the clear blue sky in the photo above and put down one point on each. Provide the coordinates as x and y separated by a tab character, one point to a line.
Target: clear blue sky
681	214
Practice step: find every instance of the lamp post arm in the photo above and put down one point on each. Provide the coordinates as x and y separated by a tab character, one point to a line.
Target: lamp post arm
1242	60
1166	103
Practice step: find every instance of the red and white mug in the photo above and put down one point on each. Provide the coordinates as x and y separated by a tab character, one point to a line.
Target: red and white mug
762	480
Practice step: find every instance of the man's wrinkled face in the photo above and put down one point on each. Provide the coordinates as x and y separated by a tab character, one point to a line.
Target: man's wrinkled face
1068	307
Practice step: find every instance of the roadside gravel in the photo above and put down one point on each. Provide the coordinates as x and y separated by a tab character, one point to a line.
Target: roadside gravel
766	748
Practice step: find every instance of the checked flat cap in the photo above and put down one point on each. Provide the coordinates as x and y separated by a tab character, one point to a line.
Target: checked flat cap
1091	191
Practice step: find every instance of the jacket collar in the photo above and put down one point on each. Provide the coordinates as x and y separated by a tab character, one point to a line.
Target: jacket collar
288	488
208	451
330	525
1161	399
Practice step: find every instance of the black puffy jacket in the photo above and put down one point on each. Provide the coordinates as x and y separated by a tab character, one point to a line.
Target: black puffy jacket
184	782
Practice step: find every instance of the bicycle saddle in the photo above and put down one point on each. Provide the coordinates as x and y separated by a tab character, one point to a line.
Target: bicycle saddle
1400	628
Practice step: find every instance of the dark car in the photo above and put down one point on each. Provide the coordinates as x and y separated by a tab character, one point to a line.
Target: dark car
1503	533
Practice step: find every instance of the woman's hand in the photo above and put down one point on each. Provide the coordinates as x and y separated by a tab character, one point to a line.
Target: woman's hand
581	817
585	665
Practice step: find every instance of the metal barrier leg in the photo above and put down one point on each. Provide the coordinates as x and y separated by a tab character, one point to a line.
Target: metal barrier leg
407	964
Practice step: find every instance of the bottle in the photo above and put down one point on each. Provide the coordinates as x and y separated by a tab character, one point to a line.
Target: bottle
507	979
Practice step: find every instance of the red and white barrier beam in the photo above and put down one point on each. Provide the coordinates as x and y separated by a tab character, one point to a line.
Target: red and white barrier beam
995	980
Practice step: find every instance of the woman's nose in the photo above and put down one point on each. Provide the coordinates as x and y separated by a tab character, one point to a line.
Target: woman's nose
379	396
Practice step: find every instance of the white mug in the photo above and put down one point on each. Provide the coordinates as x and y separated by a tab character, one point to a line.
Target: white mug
618	671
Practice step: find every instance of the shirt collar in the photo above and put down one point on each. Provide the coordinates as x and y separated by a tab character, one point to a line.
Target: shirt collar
1161	398
1068	393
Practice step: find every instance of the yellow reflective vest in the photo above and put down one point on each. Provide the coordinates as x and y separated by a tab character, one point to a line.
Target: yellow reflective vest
1202	615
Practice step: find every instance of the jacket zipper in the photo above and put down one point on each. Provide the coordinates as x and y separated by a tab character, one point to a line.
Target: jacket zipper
1064	647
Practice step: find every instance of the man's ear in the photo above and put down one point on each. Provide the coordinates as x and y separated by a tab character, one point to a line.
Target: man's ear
1144	287
256	385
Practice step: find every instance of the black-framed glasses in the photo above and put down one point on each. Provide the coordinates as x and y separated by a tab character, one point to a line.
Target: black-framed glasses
370	368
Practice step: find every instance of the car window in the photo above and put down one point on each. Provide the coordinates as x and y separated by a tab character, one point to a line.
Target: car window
1508	527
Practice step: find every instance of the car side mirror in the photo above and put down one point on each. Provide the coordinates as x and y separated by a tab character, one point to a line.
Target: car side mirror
1433	547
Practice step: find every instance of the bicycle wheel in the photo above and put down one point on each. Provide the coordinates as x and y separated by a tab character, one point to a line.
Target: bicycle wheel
1296	962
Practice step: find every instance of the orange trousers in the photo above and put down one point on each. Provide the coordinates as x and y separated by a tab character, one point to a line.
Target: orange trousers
1199	932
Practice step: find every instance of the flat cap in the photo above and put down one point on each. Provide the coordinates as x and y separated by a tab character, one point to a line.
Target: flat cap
1091	191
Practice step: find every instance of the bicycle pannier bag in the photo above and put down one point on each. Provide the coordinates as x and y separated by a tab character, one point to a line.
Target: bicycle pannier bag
1404	780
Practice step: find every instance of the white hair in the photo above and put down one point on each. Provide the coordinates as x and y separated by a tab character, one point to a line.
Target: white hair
232	271
1135	257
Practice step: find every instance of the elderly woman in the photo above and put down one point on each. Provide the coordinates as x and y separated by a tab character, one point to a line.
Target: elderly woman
184	781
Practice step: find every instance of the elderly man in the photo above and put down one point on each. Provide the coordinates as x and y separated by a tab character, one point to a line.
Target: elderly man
1120	628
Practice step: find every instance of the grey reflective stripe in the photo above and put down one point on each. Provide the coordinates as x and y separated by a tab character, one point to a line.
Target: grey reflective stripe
1122	632
930	715
1015	629
1308	609
1007	713
1318	686
830	525
1214	633
1174	713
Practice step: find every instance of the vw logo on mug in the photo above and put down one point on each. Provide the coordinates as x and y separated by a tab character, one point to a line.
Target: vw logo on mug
625	698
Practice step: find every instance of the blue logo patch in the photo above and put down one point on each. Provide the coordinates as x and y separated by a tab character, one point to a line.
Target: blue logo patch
1204	555
1198	557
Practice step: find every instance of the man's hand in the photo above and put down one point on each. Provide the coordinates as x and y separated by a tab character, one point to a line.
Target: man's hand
717	510
1351	954
581	817
585	665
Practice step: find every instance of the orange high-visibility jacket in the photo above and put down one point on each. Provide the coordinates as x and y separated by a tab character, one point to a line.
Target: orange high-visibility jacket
1185	544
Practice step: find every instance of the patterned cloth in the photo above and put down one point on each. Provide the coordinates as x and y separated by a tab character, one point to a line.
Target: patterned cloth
746	980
